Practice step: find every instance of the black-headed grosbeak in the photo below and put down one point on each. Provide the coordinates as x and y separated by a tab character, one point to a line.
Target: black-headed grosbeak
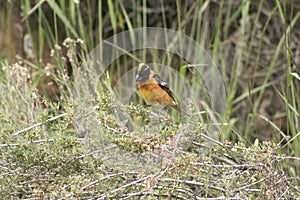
153	89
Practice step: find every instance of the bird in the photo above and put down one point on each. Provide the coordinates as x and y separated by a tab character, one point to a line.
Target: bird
153	89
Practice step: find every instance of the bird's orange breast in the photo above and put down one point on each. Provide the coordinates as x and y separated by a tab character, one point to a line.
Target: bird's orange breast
152	93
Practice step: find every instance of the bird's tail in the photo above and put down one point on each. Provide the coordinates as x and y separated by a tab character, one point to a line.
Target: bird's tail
176	107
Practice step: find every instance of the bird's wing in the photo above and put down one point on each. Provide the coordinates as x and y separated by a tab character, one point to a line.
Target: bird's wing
164	86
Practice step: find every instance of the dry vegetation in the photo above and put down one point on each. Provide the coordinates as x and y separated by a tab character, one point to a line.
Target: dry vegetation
53	146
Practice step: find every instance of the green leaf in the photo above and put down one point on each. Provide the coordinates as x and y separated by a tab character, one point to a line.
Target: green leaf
121	21
182	70
55	7
112	15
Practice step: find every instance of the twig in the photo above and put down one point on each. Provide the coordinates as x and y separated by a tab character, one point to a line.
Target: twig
212	140
193	183
96	181
40	123
34	142
248	185
88	154
103	196
292	186
228	166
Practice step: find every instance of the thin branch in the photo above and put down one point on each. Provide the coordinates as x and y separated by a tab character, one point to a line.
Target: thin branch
96	181
193	183
103	196
40	124
34	142
229	166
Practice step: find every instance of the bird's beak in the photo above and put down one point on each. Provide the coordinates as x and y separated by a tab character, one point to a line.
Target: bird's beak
137	77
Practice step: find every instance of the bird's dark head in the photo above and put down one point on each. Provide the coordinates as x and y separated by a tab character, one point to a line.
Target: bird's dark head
142	72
